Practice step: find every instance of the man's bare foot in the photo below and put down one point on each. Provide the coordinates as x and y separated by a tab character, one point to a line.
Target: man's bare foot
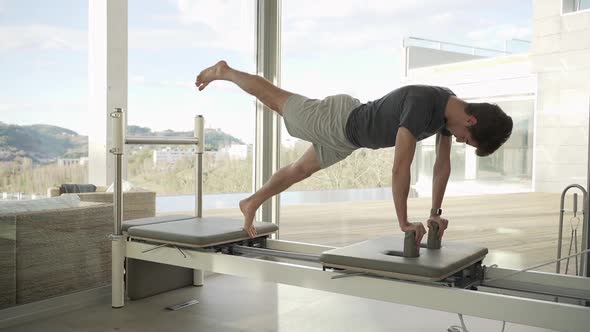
216	72
249	213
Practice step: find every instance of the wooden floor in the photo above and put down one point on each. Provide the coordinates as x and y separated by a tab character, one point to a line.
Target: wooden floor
520	229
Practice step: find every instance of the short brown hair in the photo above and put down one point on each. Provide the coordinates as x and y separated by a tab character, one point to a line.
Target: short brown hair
493	127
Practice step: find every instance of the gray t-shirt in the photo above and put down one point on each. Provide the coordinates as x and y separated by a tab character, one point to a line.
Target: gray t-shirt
419	108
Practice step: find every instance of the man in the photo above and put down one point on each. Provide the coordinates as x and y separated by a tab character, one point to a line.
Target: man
338	125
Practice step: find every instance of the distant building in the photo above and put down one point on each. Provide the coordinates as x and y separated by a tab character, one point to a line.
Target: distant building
67	162
236	151
233	152
170	156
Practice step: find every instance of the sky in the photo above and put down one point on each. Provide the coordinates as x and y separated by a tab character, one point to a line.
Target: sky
328	47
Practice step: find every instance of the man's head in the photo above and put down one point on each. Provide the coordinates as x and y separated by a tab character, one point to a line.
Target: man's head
484	126
492	128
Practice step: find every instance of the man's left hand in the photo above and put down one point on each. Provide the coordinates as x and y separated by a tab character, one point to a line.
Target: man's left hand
442	224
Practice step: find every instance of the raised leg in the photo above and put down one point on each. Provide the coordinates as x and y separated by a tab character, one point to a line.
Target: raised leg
285	177
270	95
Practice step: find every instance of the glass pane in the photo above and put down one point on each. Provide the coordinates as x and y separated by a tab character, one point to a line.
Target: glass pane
509	201
44	144
169	44
43	139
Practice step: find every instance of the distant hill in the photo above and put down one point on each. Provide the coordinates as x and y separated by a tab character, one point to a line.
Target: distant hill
45	143
41	143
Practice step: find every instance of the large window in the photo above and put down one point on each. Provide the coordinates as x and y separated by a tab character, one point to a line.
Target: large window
356	50
169	44
43	60
43	144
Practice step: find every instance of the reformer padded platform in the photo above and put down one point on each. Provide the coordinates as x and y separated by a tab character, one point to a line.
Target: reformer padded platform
433	265
153	220
199	232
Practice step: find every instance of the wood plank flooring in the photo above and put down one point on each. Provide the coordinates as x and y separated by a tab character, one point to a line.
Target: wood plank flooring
519	229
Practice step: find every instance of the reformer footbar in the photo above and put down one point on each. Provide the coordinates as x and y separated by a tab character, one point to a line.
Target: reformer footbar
220	245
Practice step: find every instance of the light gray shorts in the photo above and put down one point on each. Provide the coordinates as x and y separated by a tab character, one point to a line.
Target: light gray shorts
323	123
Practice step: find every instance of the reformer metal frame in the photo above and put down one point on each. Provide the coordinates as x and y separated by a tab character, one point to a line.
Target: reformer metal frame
581	270
538	299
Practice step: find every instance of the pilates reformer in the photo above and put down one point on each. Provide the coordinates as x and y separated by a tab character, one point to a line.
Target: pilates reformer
449	277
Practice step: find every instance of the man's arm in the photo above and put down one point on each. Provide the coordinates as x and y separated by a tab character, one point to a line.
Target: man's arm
405	146
441	173
442	169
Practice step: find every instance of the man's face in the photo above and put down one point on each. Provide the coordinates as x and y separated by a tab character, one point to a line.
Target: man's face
461	130
462	135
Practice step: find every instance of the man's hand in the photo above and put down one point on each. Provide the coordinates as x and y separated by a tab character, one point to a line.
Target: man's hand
442	224
418	228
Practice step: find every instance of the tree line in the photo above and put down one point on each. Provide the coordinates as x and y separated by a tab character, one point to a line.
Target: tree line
221	174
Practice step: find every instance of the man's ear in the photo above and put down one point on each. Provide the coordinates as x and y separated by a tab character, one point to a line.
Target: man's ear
471	120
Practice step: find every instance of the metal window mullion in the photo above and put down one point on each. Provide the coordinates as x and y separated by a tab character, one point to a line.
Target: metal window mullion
586	209
266	151
107	82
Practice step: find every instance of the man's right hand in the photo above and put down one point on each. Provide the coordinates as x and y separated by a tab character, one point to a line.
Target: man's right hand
417	227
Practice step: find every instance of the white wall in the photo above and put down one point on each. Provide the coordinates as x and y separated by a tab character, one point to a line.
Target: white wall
561	58
498	77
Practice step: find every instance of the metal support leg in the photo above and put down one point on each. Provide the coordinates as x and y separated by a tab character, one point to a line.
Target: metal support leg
583	271
117	271
117	240
198	277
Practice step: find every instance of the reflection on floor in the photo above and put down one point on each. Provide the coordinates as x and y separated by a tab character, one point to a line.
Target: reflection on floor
238	304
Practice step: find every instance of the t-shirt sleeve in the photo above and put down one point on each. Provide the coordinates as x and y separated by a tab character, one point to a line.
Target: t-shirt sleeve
416	115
